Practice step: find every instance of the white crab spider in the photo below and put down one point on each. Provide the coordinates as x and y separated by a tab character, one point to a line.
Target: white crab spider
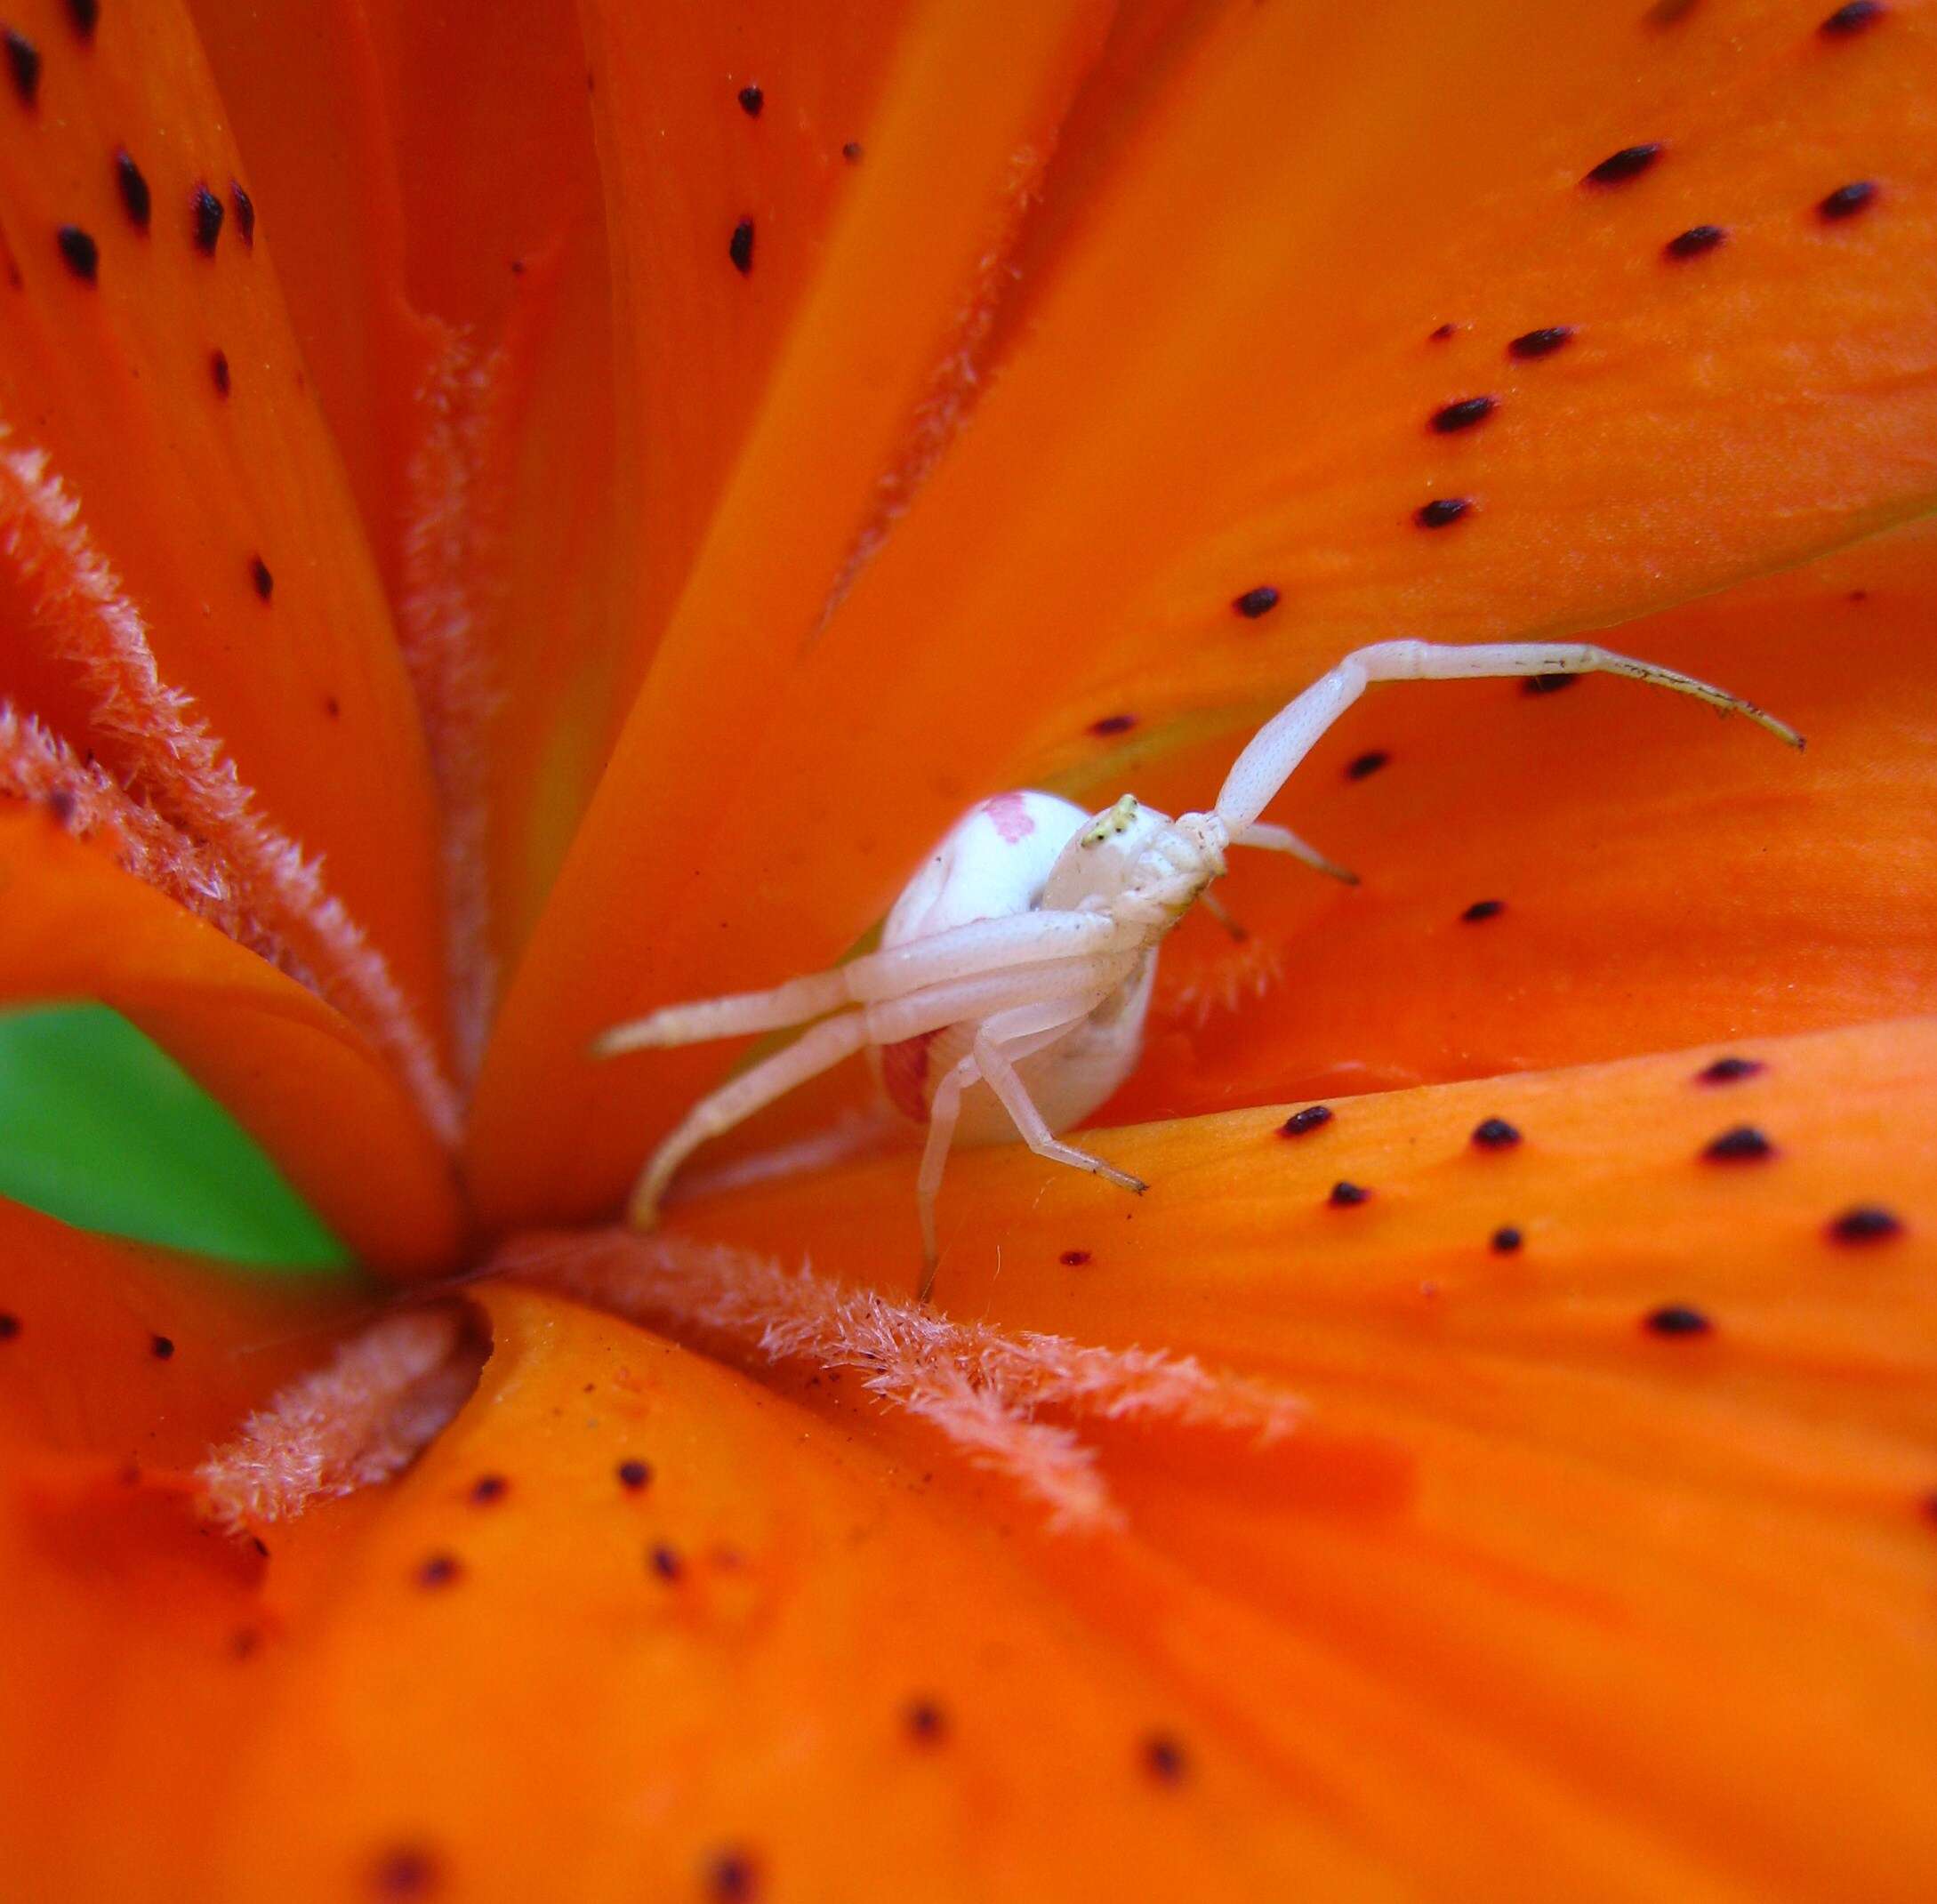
1007	997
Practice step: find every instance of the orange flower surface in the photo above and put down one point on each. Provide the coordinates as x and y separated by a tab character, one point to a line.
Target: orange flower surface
509	518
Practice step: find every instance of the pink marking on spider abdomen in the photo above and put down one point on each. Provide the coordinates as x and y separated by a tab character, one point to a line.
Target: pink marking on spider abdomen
905	1074
1011	815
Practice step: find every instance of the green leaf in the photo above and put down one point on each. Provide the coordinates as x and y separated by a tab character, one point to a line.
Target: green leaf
103	1129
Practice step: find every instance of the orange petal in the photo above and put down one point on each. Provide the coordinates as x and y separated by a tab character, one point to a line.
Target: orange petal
1217	379
226	515
770	1626
1658	1614
297	1076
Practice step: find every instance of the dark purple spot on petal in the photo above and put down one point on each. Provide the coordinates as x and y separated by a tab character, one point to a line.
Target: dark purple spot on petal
161	1347
488	1489
82	253
1451	417
1310	1118
1495	1134
1363	765
851	151
218	369
23	63
439	1570
1255	602
1676	1318
1505	1241
1847	200
1548	684
1483	909
85	14
633	1475
1742	1144
1629	163
1164	1758
1543	343
740	247
404	1871
1729	1071
1349	1196
732	1877
259	575
1866	1223
1073	1259
1442	512
1852	18
10	1326
244	212
1113	724
1693	243
135	200
665	1561
1439	333
204	220
927	1722
752	99
61	806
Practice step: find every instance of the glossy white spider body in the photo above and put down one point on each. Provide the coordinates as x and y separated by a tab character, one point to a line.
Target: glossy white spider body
1008	994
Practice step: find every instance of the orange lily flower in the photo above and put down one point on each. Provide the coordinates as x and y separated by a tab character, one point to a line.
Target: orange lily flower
643	475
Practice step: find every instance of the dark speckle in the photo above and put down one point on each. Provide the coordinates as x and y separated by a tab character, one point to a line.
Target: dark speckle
1629	163
732	1877
1439	333
1442	512
82	253
404	1871
135	200
1164	1758
161	1348
1363	765
1505	1241
752	99
1548	684
1853	18
740	247
1742	1144
1113	724
218	369
927	1722
245	206
439	1570
1495	1134
851	151
85	14
259	575
1865	1222
1073	1259
1255	602
61	806
1451	417
1693	243
1543	343
665	1563
205	219
1729	1071
23	63
1676	1318
1310	1118
633	1475
1481	910
1847	200
333	707
488	1489
1349	1196
10	1326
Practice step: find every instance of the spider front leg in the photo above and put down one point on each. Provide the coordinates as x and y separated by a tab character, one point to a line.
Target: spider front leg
1277	748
